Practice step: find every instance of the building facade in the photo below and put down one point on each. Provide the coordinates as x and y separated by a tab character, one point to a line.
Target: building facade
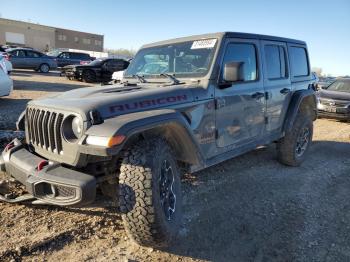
45	38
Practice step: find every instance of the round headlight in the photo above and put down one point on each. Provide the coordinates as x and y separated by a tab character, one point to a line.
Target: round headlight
72	128
77	127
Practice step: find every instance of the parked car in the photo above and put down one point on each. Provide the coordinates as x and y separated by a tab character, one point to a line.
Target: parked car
334	100
219	96
24	58
7	65
6	84
117	77
99	70
71	58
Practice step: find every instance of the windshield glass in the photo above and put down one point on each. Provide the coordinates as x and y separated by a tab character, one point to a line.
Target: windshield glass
54	53
187	59
340	86
96	62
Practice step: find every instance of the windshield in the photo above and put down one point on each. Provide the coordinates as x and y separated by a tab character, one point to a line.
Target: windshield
187	59
96	62
340	86
54	53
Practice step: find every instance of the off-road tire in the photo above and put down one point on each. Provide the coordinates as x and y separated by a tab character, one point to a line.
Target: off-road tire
287	146
143	215
44	68
88	76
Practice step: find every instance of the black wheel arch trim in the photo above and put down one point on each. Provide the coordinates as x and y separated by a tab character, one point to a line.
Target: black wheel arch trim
296	102
168	123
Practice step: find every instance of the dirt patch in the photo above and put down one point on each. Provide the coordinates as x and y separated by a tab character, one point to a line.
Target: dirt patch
250	208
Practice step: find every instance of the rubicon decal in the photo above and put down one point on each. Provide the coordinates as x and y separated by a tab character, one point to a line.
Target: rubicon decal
147	103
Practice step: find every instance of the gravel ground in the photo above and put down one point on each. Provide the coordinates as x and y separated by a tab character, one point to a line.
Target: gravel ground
250	208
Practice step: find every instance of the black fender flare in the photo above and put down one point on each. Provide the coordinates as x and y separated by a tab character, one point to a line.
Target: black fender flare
300	98
167	123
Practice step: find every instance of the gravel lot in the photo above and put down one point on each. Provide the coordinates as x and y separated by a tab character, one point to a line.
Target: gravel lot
249	208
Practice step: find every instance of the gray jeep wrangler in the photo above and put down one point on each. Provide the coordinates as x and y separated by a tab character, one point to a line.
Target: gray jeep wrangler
184	105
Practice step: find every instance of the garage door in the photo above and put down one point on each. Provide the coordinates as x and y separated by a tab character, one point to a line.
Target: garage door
14	38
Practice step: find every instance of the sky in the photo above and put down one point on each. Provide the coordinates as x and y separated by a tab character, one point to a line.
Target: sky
323	24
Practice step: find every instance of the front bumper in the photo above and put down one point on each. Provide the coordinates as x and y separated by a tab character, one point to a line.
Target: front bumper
339	116
53	184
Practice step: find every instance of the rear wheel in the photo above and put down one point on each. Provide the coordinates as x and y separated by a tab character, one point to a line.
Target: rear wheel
150	193
292	149
89	76
44	68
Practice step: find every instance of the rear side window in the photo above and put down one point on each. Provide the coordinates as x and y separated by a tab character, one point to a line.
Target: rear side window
275	57
245	53
33	54
298	61
80	56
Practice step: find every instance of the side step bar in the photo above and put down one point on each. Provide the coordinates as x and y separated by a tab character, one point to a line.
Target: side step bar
23	198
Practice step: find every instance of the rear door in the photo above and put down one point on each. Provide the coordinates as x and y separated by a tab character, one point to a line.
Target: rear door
240	107
33	59
277	83
75	58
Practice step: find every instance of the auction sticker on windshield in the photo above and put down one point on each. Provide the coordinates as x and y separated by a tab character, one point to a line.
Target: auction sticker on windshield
205	43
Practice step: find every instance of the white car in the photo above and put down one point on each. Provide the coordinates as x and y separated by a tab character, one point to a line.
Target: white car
117	76
6	84
5	63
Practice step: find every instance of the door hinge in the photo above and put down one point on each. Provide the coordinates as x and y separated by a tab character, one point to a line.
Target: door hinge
266	120
216	133
219	103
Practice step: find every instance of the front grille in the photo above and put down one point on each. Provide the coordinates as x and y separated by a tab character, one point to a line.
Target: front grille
44	129
63	191
337	103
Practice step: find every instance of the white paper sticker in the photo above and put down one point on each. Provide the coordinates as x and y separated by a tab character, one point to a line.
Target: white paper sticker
205	43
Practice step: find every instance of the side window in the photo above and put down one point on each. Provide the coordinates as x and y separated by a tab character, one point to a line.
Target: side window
19	53
115	64
275	57
298	61
65	55
245	53
32	54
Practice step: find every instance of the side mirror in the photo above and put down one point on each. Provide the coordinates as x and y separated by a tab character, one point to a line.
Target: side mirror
233	72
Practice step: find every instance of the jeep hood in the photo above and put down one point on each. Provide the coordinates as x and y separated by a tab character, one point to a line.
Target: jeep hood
116	100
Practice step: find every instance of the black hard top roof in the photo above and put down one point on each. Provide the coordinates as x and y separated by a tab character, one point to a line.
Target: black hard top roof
228	35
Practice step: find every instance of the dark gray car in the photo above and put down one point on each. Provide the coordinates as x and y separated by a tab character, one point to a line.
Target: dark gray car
334	100
184	105
23	58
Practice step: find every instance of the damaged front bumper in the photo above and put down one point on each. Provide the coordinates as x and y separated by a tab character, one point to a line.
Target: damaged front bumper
50	183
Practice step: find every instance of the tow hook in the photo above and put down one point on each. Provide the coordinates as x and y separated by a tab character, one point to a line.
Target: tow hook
9	146
41	165
2	164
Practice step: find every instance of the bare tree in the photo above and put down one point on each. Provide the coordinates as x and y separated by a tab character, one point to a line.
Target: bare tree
121	52
317	70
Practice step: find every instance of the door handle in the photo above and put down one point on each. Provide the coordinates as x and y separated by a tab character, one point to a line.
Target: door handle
258	95
285	91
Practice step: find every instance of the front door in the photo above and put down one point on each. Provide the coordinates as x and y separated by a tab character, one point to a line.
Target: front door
18	59
240	107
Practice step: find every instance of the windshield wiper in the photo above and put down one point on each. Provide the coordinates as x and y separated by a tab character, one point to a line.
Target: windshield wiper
140	78
172	78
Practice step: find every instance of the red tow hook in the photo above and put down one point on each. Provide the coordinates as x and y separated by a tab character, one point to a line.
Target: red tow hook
9	146
41	165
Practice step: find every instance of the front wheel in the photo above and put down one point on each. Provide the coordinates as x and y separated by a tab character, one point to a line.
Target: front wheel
44	68
293	147
150	193
89	76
